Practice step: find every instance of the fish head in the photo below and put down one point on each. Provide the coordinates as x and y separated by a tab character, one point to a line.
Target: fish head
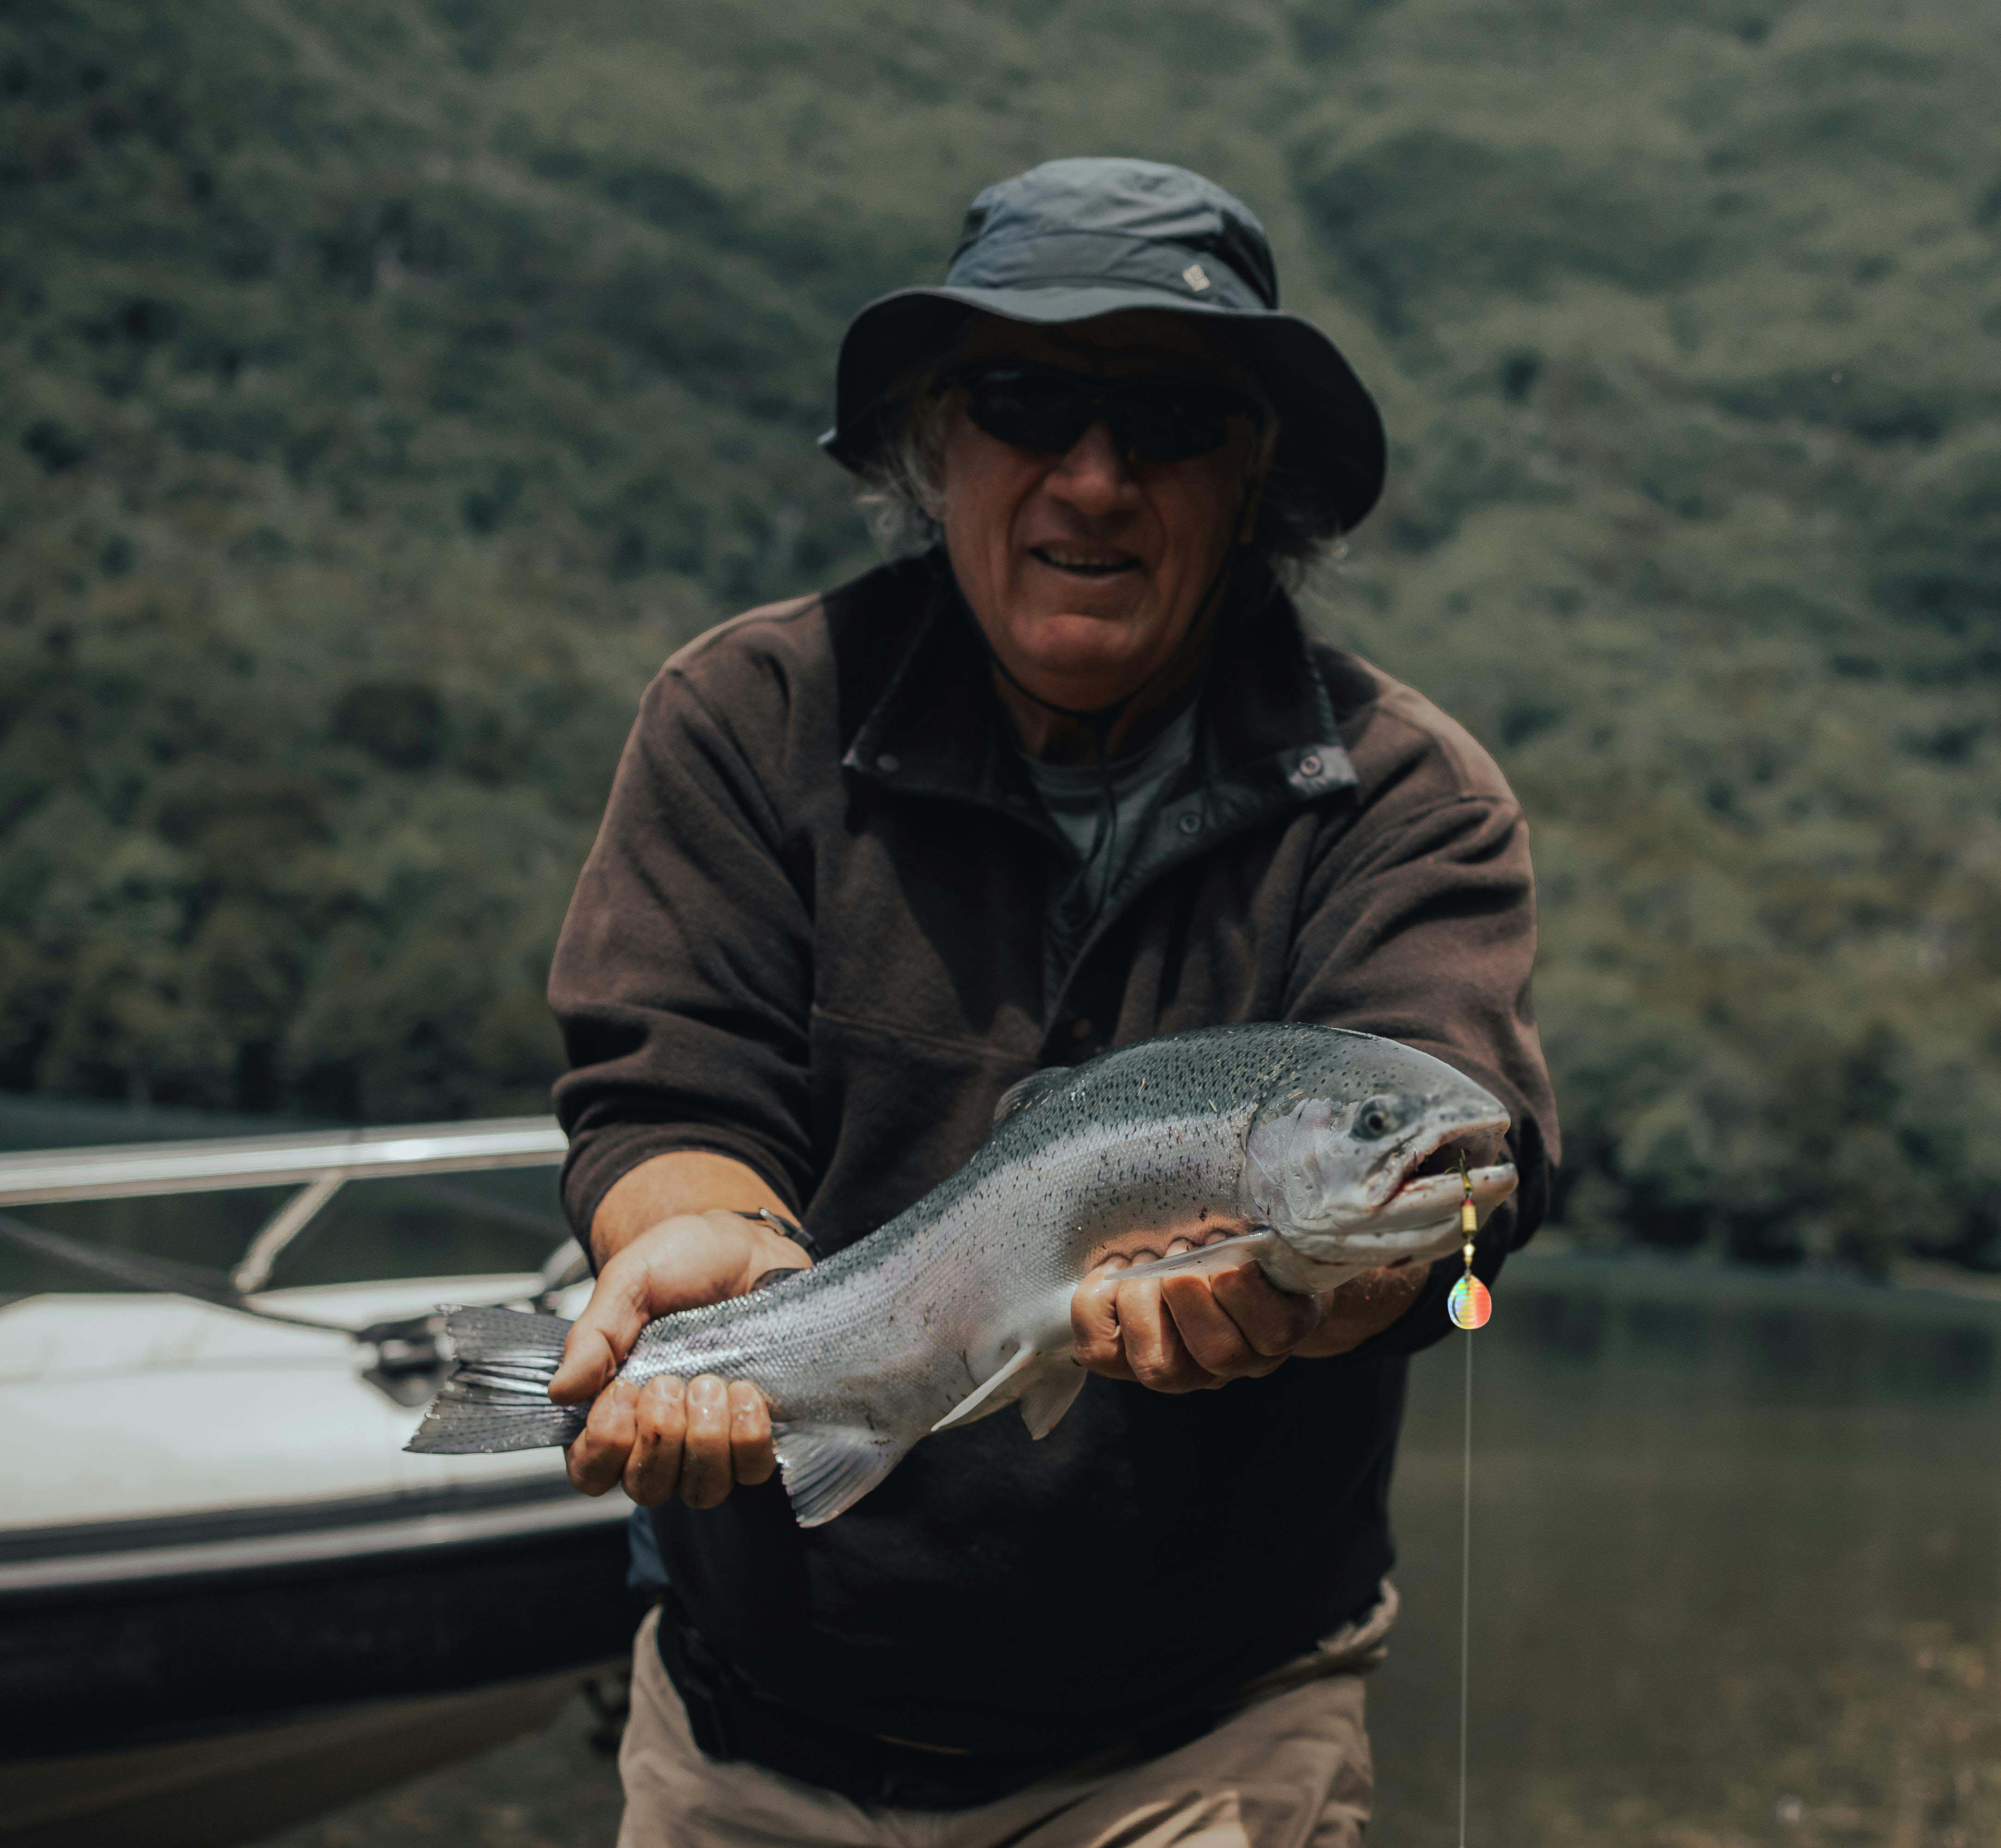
1360	1153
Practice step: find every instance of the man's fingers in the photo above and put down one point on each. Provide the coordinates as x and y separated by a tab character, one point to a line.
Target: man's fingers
596	1458
750	1453
706	1471
1154	1349
1094	1322
1213	1341
660	1420
1272	1321
601	1338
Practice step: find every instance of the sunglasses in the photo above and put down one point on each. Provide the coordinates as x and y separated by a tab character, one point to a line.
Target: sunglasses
1157	417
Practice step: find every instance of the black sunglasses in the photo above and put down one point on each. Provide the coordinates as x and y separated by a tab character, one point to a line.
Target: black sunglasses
1154	417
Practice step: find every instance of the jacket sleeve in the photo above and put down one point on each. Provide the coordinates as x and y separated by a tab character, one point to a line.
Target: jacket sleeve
683	977
1418	924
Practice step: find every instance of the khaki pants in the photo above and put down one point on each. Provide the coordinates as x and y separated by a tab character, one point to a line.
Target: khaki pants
1287	1768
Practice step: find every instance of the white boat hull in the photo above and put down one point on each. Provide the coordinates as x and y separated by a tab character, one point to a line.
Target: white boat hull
224	1586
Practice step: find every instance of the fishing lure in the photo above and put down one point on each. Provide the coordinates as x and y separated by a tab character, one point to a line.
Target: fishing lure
1470	1303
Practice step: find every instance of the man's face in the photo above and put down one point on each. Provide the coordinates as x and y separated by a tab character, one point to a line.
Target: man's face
1086	569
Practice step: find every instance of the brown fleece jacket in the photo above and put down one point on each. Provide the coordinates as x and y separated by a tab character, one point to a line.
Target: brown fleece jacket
813	935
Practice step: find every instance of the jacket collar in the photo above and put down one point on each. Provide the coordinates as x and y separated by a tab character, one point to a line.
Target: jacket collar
1267	743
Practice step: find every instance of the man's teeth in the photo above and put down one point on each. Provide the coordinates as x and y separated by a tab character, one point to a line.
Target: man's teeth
1075	562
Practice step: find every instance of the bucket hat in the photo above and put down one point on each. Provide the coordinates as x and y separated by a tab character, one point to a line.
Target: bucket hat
1073	240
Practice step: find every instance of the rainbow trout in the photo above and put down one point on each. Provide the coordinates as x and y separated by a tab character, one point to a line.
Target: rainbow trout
1313	1152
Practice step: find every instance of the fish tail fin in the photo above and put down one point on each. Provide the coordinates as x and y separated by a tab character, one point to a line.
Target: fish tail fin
496	1397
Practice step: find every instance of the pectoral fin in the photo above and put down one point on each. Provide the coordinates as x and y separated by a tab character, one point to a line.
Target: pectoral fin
828	1468
1044	1381
1052	1393
991	1393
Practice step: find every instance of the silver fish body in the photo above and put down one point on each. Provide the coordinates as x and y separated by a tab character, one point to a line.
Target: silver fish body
1316	1154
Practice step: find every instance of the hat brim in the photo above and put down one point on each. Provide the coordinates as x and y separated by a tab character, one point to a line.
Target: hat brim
1331	433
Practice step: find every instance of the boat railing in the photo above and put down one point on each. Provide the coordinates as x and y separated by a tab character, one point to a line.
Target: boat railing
319	1163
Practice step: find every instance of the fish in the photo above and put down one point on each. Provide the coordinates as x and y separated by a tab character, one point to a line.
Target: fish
1315	1152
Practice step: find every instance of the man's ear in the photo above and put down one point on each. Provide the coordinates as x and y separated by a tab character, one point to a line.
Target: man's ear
1258	475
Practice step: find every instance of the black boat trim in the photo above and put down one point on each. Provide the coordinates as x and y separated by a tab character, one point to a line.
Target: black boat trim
291	1533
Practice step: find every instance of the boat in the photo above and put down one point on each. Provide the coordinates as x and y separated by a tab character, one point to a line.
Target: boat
229	1599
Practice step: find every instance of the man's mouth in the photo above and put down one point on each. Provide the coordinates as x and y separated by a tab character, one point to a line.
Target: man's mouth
1083	561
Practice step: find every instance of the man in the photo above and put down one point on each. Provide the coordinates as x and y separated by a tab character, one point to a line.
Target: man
1071	777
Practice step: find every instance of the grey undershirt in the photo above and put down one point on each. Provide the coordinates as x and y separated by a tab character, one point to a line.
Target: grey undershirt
1074	793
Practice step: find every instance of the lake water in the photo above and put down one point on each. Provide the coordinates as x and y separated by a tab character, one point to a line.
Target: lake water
1736	1578
1737	1568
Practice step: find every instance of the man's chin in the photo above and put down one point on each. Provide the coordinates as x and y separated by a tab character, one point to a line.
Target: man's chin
1103	628
1080	646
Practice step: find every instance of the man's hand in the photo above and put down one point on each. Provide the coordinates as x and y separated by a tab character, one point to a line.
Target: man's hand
702	1436
1189	1333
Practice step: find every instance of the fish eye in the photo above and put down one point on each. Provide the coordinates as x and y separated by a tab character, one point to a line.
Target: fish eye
1373	1120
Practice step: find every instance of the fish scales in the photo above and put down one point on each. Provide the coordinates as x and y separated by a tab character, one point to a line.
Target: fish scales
1297	1148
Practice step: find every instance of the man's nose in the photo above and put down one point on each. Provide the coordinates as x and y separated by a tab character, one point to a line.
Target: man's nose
1093	477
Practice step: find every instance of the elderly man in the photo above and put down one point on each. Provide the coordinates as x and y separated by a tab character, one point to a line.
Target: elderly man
1067	775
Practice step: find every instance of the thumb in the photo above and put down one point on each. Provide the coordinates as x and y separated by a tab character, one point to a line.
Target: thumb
600	1339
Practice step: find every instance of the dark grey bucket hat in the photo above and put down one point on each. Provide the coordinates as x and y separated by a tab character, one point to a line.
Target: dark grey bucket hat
1074	239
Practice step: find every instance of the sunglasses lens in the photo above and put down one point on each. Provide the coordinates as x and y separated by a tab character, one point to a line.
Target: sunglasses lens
1168	428
1045	415
1158	419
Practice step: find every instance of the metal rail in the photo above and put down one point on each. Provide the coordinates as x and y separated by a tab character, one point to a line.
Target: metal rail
125	1170
319	1164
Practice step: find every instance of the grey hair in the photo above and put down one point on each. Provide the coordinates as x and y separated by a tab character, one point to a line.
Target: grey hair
901	496
903	488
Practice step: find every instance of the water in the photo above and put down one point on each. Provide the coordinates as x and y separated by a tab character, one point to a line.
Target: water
1737	1568
1737	1575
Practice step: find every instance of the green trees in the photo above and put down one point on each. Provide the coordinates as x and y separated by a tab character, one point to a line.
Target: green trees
385	391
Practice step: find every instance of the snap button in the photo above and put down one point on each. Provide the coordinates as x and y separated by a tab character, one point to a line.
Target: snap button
1079	1029
1190	823
890	762
1310	766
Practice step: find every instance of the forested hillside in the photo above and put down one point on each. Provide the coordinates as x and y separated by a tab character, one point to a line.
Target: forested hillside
386	389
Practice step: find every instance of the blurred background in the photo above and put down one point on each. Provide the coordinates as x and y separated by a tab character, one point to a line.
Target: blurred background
385	390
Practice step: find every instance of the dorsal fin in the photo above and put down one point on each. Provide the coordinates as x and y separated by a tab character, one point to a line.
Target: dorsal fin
1031	1090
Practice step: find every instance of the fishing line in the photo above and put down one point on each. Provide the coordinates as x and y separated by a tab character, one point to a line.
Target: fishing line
1470	1306
1465	1589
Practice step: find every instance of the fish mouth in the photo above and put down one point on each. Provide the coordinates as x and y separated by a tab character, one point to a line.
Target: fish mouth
1438	1173
1421	1212
1424	1201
